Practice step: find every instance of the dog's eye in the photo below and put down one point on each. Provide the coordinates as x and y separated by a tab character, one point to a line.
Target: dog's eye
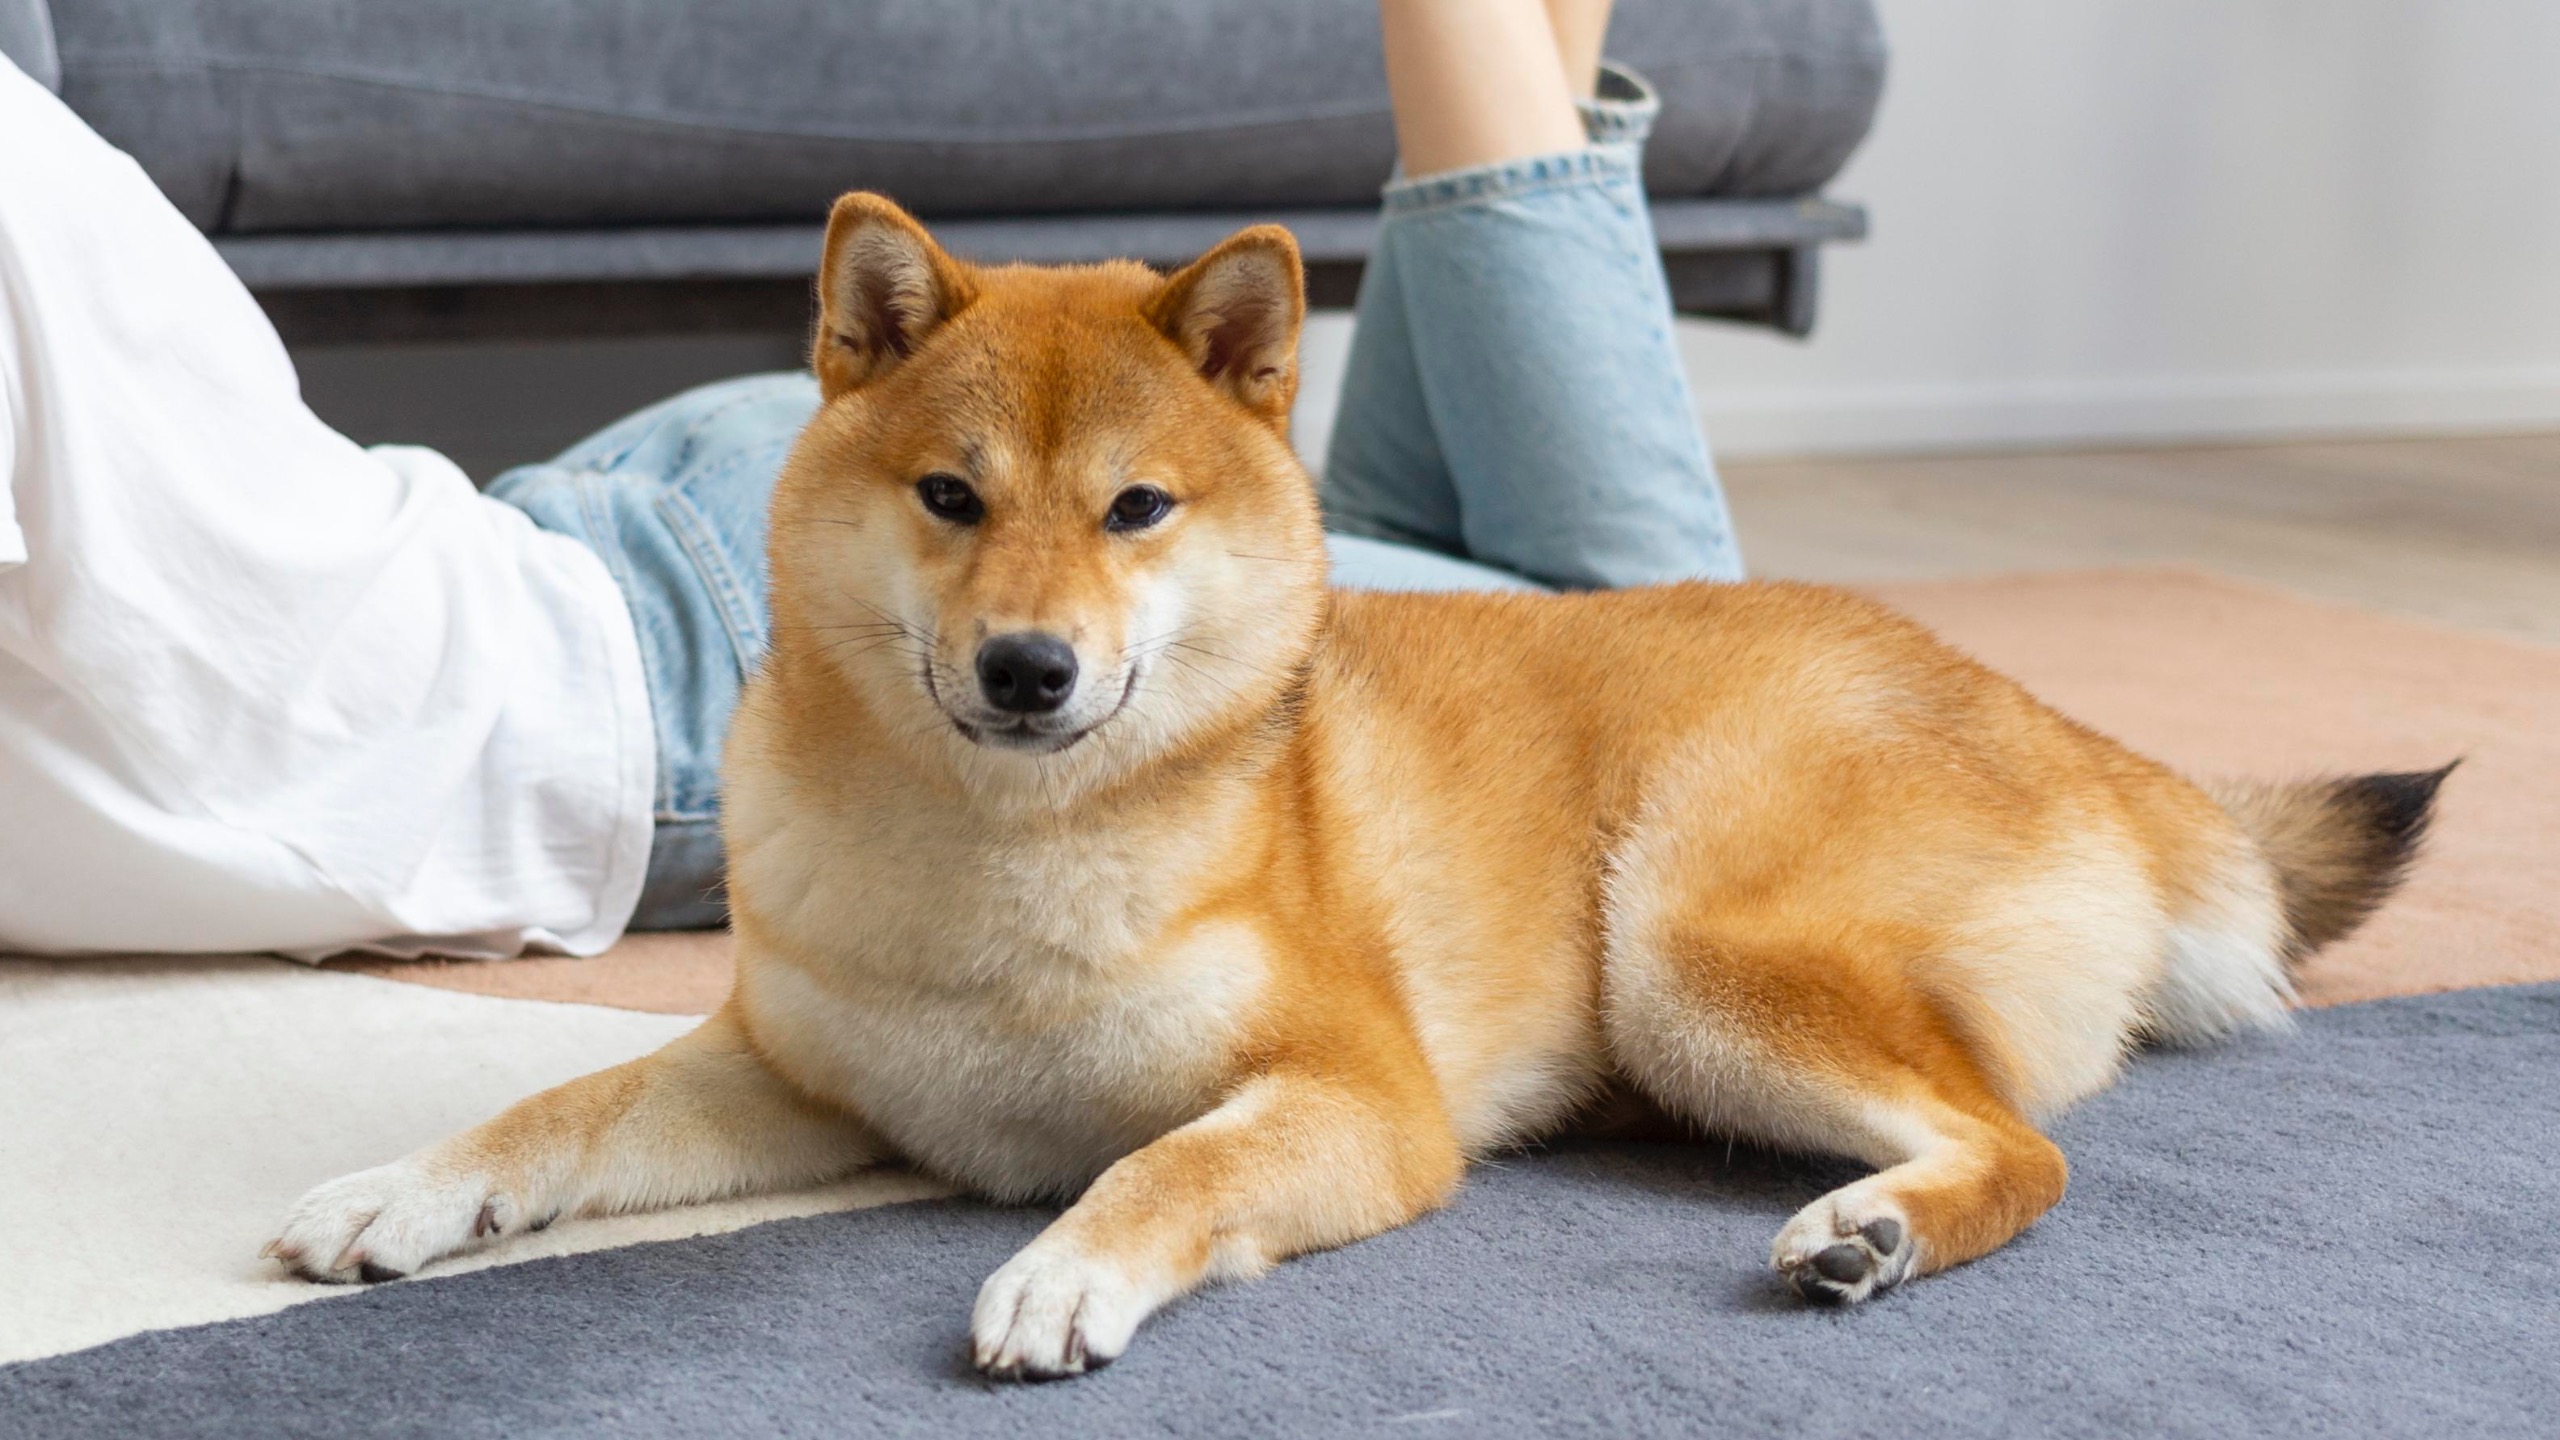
950	497
1138	507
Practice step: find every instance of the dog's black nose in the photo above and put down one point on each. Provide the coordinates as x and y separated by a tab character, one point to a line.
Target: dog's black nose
1029	672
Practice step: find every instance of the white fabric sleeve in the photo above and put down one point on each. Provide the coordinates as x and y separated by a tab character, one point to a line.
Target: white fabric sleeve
13	541
260	689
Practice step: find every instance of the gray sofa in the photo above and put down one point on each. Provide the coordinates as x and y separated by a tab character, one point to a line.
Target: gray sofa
463	166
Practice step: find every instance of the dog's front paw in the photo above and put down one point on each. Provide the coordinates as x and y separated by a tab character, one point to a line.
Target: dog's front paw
383	1223
1051	1312
1846	1246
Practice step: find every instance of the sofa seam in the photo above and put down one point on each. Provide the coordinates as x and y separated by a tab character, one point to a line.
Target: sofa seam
1064	136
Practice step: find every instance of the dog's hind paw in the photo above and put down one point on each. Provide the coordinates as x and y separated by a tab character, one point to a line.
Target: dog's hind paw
383	1223
1846	1247
1050	1312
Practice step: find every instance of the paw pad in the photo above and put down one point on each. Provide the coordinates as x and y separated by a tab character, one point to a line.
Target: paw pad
1828	1256
1846	1264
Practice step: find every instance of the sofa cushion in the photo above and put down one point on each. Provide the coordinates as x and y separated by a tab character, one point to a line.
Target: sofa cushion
258	115
26	37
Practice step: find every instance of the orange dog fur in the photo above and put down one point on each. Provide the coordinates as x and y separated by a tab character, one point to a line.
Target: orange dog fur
1275	904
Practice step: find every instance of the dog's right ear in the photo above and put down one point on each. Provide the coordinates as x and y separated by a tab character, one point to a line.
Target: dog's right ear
882	288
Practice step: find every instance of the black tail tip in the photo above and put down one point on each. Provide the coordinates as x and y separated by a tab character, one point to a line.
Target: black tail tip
2398	806
2339	846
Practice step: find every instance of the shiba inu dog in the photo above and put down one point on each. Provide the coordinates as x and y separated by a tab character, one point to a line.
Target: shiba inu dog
1085	846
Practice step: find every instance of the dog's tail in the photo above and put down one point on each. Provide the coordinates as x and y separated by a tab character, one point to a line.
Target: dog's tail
2339	847
2334	850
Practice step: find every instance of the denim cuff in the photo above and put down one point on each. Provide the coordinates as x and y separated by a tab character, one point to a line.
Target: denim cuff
684	888
1623	110
1594	168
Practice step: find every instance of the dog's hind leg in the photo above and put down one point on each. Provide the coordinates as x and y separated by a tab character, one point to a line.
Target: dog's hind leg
1816	1050
701	1118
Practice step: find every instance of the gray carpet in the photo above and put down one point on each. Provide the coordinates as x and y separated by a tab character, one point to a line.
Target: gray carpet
2352	1232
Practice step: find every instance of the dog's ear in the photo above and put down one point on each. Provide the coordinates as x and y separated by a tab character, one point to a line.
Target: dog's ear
1236	311
882	288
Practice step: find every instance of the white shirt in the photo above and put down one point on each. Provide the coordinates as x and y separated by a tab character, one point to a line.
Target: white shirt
260	688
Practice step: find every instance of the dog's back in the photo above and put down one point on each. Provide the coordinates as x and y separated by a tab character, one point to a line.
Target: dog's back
1797	761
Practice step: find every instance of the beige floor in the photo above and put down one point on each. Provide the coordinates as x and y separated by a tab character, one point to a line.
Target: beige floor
2465	532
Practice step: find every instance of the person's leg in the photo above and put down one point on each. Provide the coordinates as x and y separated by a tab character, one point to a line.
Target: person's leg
1527	323
1470	83
1579	28
1385	483
674	499
1475	82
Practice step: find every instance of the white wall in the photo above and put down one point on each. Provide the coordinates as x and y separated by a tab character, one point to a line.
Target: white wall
2095	220
2160	219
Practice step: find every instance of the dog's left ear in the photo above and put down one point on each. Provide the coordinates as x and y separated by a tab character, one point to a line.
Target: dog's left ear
1236	311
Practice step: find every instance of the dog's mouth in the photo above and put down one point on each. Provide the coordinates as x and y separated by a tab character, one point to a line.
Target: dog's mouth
1026	735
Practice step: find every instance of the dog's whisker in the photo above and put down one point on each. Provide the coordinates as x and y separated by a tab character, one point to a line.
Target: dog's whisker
891	617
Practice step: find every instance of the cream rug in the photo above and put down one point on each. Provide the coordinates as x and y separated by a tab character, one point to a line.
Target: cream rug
156	1117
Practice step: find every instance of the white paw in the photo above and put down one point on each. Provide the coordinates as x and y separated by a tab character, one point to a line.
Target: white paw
383	1223
1846	1246
1051	1312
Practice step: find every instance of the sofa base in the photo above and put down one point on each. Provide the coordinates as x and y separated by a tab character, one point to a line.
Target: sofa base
1753	261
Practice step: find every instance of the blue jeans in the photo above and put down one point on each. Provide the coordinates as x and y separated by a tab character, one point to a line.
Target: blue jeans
1514	416
1514	395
